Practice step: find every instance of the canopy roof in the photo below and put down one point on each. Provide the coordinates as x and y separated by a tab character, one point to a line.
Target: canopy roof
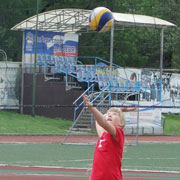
77	20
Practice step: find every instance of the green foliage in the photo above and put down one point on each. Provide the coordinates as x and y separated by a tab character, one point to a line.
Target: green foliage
13	12
137	47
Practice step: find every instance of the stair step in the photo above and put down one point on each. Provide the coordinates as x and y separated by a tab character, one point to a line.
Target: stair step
81	129
84	121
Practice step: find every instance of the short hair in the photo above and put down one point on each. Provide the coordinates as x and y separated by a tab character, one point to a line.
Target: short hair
119	111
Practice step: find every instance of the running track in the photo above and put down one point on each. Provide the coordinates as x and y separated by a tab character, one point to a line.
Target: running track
39	173
45	173
81	139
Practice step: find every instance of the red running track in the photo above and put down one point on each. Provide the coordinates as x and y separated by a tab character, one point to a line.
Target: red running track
81	139
40	173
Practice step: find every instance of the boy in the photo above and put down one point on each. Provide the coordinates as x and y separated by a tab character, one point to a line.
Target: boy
109	148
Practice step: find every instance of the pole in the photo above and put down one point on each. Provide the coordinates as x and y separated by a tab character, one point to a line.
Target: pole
137	132
111	56
35	54
161	60
22	78
161	53
111	49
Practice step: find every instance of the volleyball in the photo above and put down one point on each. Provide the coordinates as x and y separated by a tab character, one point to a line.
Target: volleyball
101	19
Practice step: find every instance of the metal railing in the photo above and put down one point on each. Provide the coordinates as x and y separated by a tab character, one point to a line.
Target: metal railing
79	103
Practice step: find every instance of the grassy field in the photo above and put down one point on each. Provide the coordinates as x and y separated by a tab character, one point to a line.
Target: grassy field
14	123
171	124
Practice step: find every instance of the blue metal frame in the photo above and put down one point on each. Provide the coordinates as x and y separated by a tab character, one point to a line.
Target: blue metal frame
127	85
81	103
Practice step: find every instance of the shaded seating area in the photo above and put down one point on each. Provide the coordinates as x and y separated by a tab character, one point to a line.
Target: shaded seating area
98	74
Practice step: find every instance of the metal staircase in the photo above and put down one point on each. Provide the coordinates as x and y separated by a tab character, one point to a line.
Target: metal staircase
85	119
102	100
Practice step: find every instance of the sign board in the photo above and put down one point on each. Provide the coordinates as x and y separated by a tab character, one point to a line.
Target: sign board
9	85
50	45
147	116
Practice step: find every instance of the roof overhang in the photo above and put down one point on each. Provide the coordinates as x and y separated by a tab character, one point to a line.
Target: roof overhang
133	20
77	20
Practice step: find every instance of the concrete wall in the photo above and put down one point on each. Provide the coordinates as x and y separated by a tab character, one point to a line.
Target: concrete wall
49	94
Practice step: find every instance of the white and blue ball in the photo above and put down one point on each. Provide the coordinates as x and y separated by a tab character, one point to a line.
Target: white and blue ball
101	19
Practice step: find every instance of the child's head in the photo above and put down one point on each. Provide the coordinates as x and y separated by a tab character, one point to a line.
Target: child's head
116	117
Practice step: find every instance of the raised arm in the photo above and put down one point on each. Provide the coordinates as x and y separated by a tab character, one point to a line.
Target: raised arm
101	124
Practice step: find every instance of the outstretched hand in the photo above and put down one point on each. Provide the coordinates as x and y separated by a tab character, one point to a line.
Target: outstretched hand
86	100
127	109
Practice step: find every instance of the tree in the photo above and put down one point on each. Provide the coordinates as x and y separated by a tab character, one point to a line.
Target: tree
13	12
138	47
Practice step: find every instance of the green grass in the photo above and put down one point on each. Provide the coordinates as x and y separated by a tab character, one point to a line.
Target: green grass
171	124
15	123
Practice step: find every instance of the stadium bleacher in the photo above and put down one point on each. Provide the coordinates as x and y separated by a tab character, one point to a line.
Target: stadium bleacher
99	73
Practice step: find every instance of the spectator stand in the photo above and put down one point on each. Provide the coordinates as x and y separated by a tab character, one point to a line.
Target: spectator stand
94	70
108	84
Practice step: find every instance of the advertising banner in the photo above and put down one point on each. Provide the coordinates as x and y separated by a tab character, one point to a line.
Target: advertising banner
9	85
171	92
148	116
164	94
51	43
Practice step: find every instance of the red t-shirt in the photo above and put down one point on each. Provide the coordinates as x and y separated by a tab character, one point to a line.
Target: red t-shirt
107	157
